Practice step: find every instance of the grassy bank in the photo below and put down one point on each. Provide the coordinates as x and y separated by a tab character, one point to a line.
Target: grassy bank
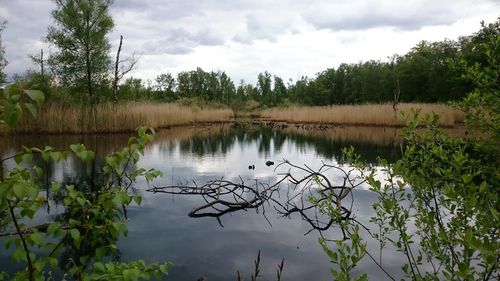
63	118
56	118
366	115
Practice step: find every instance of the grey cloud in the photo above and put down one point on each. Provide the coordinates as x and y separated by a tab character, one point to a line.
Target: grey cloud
159	10
179	42
264	25
179	26
27	24
409	15
175	50
371	20
131	4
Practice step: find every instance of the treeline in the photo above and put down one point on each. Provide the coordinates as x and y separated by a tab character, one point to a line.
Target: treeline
429	72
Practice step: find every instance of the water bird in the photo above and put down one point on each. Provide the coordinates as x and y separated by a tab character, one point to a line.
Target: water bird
269	163
251	167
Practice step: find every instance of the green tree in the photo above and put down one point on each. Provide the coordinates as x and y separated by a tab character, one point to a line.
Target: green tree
324	87
446	224
91	223
264	82
165	86
279	90
132	89
3	61
227	88
482	105
79	32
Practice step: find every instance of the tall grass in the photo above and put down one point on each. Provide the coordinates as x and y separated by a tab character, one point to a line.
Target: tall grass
107	118
366	115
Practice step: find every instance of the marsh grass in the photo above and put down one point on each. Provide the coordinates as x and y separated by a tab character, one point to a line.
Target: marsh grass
113	118
365	115
58	118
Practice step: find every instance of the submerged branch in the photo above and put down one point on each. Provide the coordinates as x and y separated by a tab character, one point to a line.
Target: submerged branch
222	196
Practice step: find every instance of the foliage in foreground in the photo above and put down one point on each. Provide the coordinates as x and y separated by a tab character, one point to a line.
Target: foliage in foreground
92	221
446	225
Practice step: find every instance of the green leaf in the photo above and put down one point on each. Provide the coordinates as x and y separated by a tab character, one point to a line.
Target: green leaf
36	238
75	234
38	171
12	113
18	189
138	200
9	241
82	152
53	262
99	266
165	267
36	96
494	213
19	255
467	178
32	109
15	98
100	252
56	156
27	158
32	191
405	268
56	187
53	228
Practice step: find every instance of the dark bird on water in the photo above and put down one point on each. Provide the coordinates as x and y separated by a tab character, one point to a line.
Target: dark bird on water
269	163
251	167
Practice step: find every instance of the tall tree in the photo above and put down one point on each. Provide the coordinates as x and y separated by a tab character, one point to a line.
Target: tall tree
264	82
165	86
79	32
3	61
227	88
279	90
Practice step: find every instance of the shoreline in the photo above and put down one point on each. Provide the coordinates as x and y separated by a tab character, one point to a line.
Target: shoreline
58	119
236	123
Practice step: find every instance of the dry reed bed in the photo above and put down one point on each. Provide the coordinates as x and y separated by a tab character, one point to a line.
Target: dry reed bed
366	115
107	118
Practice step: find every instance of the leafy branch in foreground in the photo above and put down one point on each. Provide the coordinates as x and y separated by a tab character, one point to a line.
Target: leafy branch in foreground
438	205
91	223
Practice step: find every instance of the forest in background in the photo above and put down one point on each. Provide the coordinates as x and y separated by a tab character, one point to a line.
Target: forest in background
430	72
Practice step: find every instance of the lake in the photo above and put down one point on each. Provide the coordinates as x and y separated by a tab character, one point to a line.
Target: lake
217	247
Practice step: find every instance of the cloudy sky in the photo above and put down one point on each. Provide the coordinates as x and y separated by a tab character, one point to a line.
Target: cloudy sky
289	38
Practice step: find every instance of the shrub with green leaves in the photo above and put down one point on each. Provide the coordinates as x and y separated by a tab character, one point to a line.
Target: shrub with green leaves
91	223
438	205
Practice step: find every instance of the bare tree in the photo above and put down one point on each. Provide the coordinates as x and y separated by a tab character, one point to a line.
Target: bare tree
38	59
121	70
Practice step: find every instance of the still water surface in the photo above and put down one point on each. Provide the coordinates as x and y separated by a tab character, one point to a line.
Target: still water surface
160	228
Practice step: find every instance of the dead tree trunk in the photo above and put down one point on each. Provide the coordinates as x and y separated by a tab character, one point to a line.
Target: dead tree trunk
121	71
115	80
42	70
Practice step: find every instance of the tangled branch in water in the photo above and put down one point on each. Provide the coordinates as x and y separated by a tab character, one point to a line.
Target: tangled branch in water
328	182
